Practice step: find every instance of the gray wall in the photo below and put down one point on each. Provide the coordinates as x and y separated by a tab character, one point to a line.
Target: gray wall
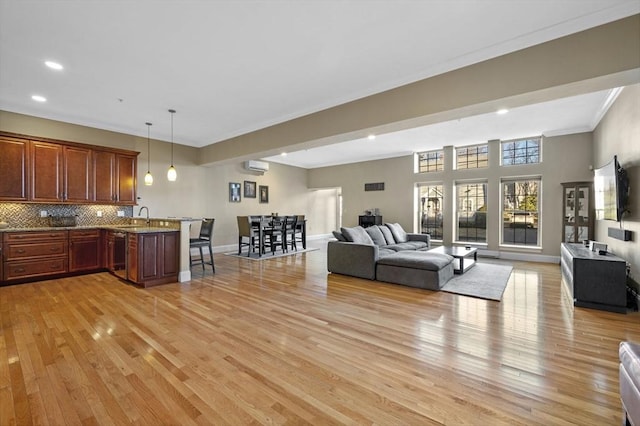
565	159
619	134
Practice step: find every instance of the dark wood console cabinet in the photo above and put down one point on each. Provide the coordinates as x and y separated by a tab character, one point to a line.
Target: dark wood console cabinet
369	220
593	280
152	258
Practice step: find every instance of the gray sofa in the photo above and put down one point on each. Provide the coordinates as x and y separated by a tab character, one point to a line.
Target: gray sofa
388	253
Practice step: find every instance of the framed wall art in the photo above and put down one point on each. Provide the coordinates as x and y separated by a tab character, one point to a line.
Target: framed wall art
249	189
234	192
264	193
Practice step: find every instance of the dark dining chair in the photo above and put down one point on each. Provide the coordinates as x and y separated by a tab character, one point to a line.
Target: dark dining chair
273	233
298	230
248	232
205	239
289	229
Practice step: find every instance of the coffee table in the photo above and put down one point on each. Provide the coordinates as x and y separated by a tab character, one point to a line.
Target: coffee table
459	253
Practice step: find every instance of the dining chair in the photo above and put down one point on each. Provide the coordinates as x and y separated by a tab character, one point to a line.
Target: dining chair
205	238
289	238
245	230
298	230
273	233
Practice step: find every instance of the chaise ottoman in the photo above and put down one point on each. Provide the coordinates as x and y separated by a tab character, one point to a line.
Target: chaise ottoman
416	269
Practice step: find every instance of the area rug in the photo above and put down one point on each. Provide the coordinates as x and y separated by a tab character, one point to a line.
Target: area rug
484	280
268	255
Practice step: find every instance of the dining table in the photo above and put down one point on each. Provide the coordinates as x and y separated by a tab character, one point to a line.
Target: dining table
262	224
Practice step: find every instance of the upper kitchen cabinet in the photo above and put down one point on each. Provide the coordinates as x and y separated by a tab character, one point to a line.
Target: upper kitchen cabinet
115	177
50	171
14	168
60	173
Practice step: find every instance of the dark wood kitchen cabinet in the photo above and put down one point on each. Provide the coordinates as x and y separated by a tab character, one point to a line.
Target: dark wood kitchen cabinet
85	250
60	173
153	258
114	177
14	163
44	170
34	254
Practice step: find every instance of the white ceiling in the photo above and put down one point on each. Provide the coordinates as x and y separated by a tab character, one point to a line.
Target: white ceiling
231	67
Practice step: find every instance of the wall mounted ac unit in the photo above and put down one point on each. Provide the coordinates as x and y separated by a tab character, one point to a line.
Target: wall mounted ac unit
256	166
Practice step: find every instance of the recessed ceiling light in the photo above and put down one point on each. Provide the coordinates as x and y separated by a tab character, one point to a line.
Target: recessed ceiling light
39	98
284	154
502	111
53	65
371	137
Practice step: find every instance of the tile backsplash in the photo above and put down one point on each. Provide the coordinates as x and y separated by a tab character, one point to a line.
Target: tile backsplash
19	215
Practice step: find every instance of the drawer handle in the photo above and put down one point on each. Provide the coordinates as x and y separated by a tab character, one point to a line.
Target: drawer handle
20	251
19	270
55	266
54	249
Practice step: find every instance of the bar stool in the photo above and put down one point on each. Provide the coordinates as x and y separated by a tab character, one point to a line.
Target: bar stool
204	240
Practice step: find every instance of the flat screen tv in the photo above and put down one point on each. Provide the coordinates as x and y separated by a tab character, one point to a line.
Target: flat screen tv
611	188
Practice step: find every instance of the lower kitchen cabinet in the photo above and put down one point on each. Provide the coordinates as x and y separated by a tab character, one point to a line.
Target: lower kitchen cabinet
85	250
152	258
34	254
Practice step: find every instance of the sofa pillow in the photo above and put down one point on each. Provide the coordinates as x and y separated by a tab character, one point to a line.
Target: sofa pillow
387	235
357	235
376	235
398	233
339	236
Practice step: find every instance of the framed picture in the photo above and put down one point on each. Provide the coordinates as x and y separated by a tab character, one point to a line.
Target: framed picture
249	189
264	193
234	192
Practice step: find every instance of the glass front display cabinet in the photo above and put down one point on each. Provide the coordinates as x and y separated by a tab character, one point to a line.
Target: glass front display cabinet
577	212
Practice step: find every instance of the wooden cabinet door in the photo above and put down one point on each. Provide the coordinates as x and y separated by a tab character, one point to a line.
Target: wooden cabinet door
170	254
78	186
14	169
104	176
126	181
85	250
46	172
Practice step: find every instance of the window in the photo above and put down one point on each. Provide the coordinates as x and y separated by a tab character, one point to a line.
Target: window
520	211
432	161
521	151
430	202
471	212
472	157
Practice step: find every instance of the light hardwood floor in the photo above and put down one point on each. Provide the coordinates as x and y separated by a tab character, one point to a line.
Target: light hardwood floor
282	342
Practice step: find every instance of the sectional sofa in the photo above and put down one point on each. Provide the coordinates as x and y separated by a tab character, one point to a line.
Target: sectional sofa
388	253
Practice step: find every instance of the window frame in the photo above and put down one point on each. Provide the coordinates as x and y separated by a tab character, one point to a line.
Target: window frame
477	154
516	225
439	161
438	215
458	208
526	155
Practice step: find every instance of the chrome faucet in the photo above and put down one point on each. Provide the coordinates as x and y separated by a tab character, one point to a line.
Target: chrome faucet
146	208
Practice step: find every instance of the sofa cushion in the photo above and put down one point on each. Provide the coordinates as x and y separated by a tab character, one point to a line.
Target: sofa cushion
409	245
339	236
383	252
387	235
399	235
357	235
376	235
417	260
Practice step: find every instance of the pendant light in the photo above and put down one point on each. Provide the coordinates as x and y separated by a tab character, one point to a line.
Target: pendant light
148	179
171	173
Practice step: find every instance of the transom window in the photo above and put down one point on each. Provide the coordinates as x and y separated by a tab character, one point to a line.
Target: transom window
521	151
471	206
472	157
521	211
430	215
431	161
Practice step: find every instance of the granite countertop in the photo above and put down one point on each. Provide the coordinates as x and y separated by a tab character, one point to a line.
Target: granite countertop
133	229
